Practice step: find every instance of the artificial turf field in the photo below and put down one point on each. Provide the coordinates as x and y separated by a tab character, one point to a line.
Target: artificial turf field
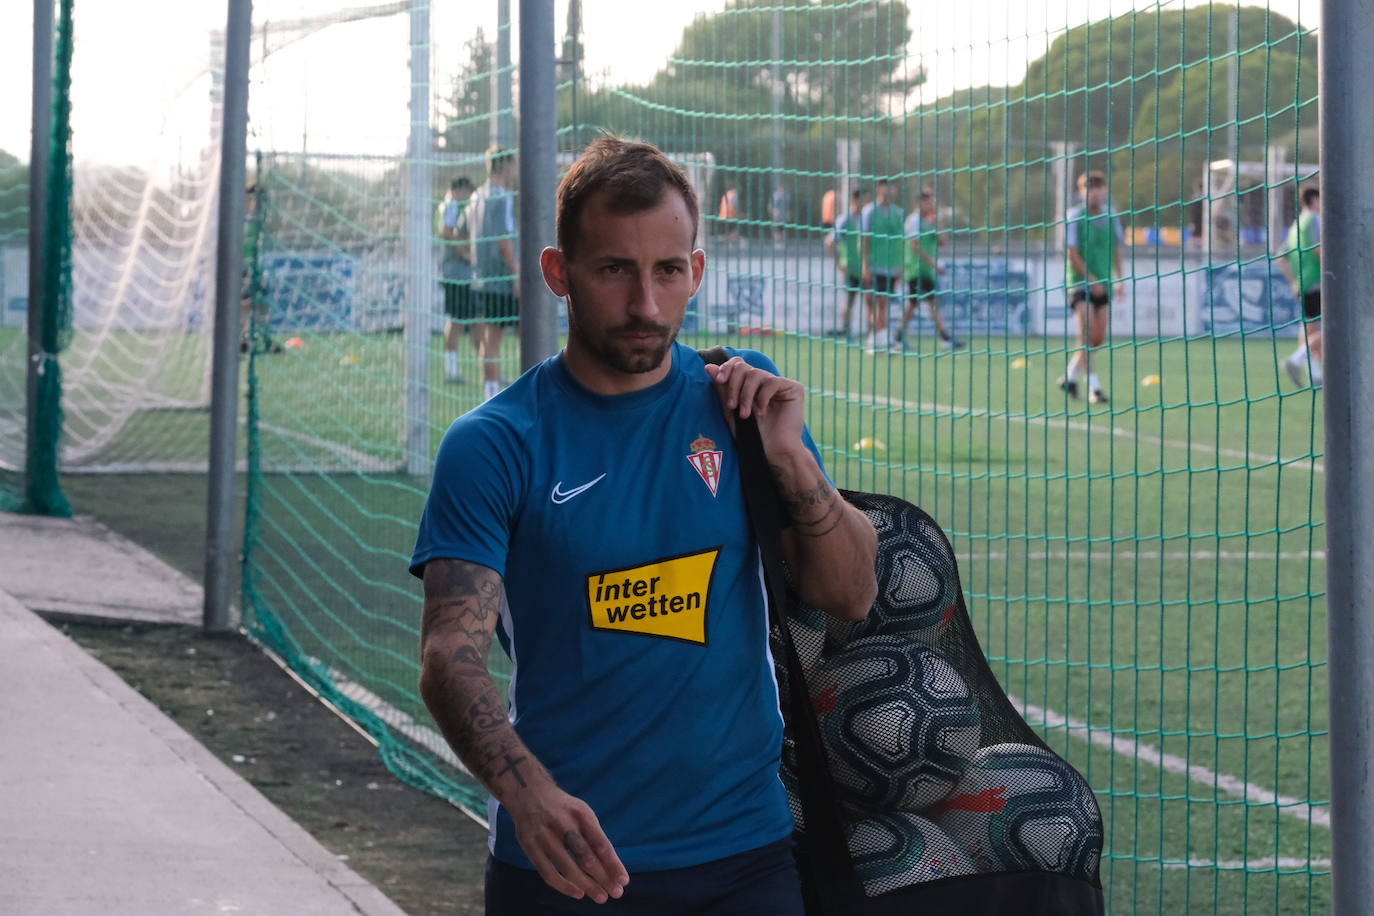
1146	575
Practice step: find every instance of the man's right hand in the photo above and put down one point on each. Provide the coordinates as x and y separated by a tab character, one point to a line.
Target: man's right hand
565	843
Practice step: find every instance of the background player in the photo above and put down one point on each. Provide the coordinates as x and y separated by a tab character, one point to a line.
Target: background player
1303	267
883	259
844	246
457	273
1094	240
489	224
922	267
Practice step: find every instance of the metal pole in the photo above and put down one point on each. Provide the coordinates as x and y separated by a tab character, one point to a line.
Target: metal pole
1347	134
220	549
538	179
418	317
503	125
1232	117
40	147
777	100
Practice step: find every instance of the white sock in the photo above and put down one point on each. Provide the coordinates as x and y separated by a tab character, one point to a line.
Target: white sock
1093	383
1316	370
1298	354
450	363
1075	368
490	390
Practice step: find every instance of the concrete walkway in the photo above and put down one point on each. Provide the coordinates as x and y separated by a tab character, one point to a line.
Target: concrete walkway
106	806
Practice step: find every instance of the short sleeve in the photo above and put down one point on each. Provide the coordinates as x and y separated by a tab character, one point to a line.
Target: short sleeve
1117	230
1314	229
866	219
1071	230
474	496
510	214
451	214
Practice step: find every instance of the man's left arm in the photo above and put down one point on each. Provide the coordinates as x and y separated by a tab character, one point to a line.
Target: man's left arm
831	546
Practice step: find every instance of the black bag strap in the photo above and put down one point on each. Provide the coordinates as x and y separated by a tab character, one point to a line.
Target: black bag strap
832	879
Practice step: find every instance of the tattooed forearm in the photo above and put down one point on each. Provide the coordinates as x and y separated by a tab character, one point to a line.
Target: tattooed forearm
815	511
462	605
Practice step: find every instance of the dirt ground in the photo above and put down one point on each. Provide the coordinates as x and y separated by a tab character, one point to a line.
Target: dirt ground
424	854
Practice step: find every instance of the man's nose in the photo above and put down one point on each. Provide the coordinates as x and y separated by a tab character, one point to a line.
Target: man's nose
643	299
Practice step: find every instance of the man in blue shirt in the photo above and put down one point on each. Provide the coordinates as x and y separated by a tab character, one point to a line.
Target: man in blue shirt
591	516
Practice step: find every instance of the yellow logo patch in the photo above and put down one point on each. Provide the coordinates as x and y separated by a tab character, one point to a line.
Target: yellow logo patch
666	598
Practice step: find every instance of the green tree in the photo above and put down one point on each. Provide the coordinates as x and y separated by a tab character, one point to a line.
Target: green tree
466	109
14	198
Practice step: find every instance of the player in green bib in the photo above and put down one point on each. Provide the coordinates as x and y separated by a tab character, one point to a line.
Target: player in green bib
922	267
843	244
1302	264
884	237
1094	240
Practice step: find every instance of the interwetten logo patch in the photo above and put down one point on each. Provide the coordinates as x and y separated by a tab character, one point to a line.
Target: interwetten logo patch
666	598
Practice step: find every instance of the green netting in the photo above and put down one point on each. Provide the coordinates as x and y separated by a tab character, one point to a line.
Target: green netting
1145	573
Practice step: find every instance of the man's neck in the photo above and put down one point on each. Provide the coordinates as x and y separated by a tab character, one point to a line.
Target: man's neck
594	375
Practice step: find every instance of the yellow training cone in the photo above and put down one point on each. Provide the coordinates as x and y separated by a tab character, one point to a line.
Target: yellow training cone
350	360
1149	381
1020	363
868	443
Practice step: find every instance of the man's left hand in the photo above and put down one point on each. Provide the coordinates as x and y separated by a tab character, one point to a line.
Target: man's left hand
776	403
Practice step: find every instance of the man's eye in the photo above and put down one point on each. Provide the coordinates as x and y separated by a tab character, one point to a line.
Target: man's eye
611	269
672	269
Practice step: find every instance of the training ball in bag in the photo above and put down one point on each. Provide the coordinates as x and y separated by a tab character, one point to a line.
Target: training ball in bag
1020	807
898	721
900	849
918	590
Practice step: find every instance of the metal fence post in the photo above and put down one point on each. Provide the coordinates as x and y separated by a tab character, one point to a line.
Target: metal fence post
1347	134
40	146
220	547
538	179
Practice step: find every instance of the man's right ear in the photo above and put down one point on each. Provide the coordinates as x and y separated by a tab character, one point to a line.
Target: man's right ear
555	268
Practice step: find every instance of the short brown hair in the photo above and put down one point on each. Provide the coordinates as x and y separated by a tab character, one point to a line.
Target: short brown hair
634	176
1093	179
498	158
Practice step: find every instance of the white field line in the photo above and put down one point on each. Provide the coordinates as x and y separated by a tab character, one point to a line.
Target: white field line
1265	863
1151	555
360	461
1171	763
956	412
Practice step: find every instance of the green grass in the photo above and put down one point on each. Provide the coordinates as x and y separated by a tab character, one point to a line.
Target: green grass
1144	567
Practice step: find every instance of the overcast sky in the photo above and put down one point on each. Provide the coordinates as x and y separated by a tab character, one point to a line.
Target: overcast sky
141	93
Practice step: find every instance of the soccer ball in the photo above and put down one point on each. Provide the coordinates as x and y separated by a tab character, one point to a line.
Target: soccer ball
899	723
918	590
900	849
1021	807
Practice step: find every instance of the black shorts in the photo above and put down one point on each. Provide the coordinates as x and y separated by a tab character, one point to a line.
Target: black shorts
760	882
855	282
1099	300
920	287
458	300
497	308
884	284
1312	304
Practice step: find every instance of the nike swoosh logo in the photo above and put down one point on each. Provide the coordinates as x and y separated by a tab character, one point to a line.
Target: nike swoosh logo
560	496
